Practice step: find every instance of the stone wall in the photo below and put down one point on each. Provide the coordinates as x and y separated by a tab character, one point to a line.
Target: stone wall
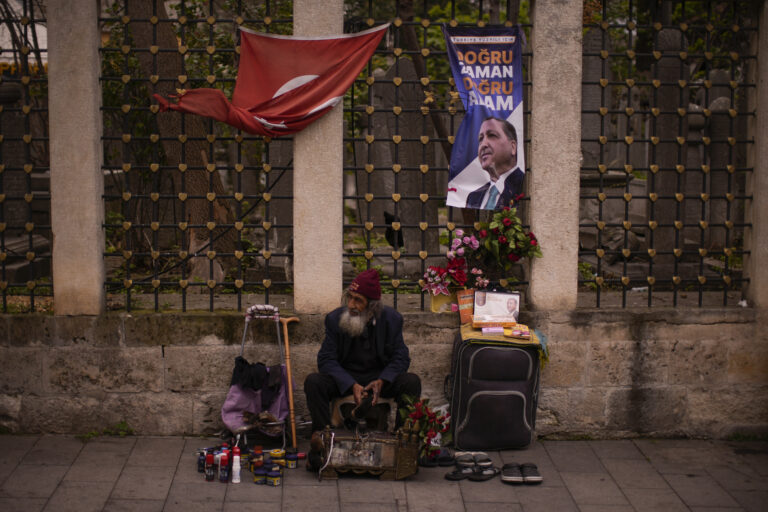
699	373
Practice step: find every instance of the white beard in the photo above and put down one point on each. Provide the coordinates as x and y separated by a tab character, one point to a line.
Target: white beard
353	325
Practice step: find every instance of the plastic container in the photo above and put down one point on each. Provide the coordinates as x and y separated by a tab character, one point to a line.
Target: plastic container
260	476
291	461
274	478
277	453
236	469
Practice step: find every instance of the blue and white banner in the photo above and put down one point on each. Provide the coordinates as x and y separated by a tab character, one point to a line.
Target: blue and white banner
487	161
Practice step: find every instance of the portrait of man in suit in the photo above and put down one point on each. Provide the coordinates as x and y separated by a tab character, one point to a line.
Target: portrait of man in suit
497	153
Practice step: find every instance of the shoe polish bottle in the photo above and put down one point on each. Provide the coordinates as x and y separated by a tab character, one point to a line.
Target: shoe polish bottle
209	474
224	469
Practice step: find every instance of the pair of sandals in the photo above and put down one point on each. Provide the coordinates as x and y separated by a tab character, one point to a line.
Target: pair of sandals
526	473
473	466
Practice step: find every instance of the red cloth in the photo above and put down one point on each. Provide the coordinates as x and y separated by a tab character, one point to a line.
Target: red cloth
283	82
367	284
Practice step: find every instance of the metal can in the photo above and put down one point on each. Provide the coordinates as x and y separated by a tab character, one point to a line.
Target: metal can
277	453
274	478
260	476
291	461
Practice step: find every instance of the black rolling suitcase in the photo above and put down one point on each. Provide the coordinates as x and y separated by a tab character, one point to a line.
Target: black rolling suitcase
493	391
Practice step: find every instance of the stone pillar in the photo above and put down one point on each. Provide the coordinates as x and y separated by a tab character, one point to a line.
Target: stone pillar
757	237
318	183
556	151
77	182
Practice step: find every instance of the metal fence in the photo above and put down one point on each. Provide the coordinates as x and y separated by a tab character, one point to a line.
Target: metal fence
668	95
25	231
198	214
401	117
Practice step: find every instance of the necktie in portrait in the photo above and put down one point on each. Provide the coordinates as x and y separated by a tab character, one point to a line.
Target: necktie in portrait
493	195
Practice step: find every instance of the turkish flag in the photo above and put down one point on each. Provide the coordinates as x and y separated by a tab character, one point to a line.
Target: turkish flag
284	83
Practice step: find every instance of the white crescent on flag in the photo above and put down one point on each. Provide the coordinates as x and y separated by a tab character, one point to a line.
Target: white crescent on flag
284	82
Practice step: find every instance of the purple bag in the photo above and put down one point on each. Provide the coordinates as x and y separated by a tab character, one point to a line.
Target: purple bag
243	398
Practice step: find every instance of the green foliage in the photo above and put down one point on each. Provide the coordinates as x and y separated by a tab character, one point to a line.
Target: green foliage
113	235
740	437
504	241
418	417
360	263
586	273
120	429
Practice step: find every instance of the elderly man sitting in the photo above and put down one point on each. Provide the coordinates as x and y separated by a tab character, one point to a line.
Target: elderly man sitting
363	354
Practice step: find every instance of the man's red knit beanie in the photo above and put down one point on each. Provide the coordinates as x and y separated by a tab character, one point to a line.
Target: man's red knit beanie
367	284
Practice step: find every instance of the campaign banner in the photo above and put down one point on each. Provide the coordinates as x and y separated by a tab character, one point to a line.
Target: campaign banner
487	160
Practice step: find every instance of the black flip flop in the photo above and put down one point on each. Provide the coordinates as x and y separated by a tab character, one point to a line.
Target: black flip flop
483	460
483	474
465	460
531	473
511	474
461	473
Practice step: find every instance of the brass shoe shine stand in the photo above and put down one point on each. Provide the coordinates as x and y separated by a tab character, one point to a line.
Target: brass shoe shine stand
388	456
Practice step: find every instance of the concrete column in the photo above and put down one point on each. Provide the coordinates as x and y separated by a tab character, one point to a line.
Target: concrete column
757	237
77	182
318	183
556	151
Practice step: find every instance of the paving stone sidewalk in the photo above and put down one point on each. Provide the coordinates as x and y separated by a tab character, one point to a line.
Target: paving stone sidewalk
61	473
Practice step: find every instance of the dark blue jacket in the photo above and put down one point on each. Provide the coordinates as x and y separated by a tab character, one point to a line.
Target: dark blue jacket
391	351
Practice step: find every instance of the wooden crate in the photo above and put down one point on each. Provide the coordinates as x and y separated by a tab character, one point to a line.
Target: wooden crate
388	456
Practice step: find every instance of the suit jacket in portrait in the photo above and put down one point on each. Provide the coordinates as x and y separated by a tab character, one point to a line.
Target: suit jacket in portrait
513	185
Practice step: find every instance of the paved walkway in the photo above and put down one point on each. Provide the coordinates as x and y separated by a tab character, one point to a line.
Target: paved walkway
57	473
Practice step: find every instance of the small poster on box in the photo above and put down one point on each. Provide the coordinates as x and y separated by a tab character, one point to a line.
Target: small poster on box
495	309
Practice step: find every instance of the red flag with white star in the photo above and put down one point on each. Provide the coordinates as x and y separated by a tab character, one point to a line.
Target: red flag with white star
284	83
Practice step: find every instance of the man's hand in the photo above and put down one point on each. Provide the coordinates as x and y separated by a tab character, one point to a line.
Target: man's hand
375	388
358	392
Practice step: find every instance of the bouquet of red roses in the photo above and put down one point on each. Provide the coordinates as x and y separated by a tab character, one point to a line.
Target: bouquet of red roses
433	428
439	280
504	239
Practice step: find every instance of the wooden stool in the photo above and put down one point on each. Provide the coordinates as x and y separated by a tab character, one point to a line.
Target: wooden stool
381	417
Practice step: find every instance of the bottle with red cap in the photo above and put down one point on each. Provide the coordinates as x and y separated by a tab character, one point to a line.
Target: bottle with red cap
209	473
224	469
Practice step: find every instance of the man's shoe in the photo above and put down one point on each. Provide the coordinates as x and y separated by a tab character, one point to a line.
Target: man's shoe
361	411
